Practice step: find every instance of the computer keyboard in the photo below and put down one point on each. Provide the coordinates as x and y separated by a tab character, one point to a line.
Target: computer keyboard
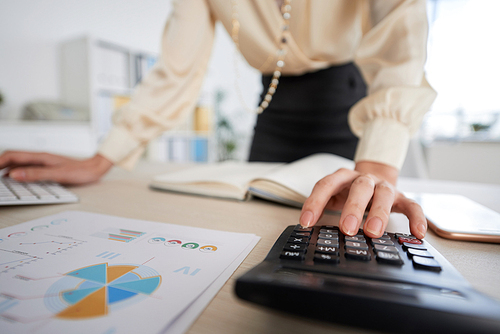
23	193
395	283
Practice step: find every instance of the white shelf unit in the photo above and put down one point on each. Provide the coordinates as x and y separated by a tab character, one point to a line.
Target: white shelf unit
96	74
99	76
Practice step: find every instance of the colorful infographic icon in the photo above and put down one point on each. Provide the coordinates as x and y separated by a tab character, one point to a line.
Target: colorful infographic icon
190	245
99	288
208	249
40	227
17	235
172	243
59	221
156	240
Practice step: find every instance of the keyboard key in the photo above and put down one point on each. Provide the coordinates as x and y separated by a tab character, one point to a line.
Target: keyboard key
409	240
389	258
301	234
292	255
331	227
327	250
405	235
295	247
419	252
407	245
355	238
382	242
384	248
329	230
300	228
426	263
40	192
326	258
357	254
327	242
356	245
8	198
299	240
328	236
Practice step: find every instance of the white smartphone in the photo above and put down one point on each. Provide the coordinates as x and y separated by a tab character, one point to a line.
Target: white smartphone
457	217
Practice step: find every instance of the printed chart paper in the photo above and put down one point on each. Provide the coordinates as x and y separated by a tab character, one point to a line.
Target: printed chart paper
105	274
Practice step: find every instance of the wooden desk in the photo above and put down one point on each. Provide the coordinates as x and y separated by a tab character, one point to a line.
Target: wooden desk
126	194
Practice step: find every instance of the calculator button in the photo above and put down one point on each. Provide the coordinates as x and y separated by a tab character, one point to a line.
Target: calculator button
407	245
385	248
300	228
382	242
327	250
409	240
405	235
426	263
292	255
357	254
389	258
295	247
355	238
419	252
328	230
357	245
328	236
385	237
298	240
300	234
326	258
327	242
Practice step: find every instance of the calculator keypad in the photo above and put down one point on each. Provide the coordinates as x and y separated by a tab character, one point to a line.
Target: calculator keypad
326	245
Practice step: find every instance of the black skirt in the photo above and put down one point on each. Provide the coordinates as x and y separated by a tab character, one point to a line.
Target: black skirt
308	114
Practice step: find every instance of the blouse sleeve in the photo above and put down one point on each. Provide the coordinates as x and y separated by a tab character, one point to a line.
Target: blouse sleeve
170	90
391	57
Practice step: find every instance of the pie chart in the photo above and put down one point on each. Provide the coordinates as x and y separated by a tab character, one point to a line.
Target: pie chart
95	290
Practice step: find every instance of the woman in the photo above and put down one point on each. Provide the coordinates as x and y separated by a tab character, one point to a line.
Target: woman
316	57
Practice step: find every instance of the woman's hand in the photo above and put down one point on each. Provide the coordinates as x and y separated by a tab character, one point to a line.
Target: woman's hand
369	186
30	166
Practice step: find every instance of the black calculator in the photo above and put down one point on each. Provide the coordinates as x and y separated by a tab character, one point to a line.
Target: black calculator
396	283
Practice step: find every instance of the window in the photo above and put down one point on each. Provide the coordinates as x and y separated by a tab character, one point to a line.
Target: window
463	66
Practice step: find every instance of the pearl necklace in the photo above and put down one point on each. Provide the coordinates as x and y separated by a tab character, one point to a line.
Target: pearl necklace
280	54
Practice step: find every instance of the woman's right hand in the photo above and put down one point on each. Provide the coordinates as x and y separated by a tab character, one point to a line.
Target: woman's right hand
31	166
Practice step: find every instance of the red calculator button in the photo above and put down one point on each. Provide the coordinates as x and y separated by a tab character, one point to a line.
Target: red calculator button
409	240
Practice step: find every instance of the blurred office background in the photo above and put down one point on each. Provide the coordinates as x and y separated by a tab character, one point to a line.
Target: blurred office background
66	65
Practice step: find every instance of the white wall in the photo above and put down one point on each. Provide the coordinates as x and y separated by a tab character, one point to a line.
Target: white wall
31	30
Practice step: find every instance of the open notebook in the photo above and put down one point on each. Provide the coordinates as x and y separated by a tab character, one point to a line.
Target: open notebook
289	183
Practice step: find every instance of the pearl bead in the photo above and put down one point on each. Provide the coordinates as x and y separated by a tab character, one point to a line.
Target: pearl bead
264	104
275	81
268	98
288	8
280	63
286	16
277	74
271	90
259	110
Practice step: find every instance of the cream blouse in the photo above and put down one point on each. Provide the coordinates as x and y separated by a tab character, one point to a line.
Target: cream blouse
385	38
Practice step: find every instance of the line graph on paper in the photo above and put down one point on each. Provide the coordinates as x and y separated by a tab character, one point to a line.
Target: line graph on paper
23	253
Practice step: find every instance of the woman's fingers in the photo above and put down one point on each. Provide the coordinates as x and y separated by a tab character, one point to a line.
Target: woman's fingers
415	214
378	217
32	174
360	194
17	158
322	193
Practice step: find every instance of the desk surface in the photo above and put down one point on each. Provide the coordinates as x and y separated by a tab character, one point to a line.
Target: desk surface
126	194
